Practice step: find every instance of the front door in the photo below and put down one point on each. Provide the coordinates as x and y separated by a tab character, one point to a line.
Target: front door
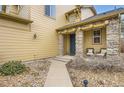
122	45
72	44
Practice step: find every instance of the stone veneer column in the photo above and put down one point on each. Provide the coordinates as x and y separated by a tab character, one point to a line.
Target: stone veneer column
79	43
8	8
112	35
61	45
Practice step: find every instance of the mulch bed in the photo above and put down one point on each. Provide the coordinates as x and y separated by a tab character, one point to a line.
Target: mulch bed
34	77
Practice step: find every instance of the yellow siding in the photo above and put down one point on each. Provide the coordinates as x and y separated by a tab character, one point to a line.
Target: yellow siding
25	12
14	9
61	14
66	44
16	40
86	12
89	44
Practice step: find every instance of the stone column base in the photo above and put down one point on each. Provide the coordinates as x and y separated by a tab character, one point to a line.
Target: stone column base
113	58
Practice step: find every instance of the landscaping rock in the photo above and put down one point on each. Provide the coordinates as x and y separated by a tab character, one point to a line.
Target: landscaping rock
34	77
99	73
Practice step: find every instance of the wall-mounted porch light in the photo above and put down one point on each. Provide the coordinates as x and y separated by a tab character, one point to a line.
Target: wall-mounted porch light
35	36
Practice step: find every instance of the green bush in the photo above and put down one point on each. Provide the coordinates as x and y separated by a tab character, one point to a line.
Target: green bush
12	68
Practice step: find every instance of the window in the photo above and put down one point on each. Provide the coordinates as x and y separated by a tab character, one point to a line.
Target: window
122	25
96	36
2	8
50	10
14	9
72	18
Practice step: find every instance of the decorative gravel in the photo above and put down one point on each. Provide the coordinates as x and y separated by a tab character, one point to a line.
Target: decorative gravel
97	77
34	77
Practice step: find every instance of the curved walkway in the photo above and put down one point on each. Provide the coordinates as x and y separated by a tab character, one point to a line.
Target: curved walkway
58	75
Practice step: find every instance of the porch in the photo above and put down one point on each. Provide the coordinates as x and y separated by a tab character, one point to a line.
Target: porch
92	39
97	35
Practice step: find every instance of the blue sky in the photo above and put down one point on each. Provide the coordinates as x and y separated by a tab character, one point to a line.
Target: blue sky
104	8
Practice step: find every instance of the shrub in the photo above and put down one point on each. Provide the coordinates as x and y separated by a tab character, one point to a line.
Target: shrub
96	65
12	68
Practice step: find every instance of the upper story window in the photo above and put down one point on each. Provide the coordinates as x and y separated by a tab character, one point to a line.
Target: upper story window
14	9
97	36
50	10
2	8
73	15
122	25
72	18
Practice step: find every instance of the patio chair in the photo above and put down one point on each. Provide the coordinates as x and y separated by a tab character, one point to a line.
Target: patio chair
102	53
90	52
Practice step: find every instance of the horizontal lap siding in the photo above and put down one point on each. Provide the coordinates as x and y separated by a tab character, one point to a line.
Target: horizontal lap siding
25	11
15	44
45	29
88	41
16	40
18	44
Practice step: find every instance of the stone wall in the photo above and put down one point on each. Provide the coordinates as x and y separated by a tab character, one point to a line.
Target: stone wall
79	43
61	44
112	36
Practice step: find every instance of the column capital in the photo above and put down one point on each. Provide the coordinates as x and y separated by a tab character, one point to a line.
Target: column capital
79	28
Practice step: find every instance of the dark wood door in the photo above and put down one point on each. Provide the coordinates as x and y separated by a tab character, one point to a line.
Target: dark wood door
72	44
122	45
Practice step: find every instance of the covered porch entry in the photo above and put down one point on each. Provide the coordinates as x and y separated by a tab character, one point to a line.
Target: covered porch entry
101	34
69	44
91	39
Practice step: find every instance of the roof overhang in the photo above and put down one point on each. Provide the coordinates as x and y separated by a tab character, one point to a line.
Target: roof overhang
82	6
14	18
86	27
91	7
93	19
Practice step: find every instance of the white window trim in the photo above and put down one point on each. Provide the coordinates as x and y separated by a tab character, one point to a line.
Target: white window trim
0	8
97	36
50	11
50	16
16	12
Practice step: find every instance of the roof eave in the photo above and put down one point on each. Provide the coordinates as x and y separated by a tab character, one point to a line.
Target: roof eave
102	17
15	18
83	23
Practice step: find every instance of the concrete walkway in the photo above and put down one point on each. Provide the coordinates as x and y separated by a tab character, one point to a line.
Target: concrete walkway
58	75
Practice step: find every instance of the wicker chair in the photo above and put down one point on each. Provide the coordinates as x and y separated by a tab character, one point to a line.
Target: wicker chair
102	53
90	51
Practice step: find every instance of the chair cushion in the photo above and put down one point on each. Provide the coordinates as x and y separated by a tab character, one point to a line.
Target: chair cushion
103	51
90	54
90	50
